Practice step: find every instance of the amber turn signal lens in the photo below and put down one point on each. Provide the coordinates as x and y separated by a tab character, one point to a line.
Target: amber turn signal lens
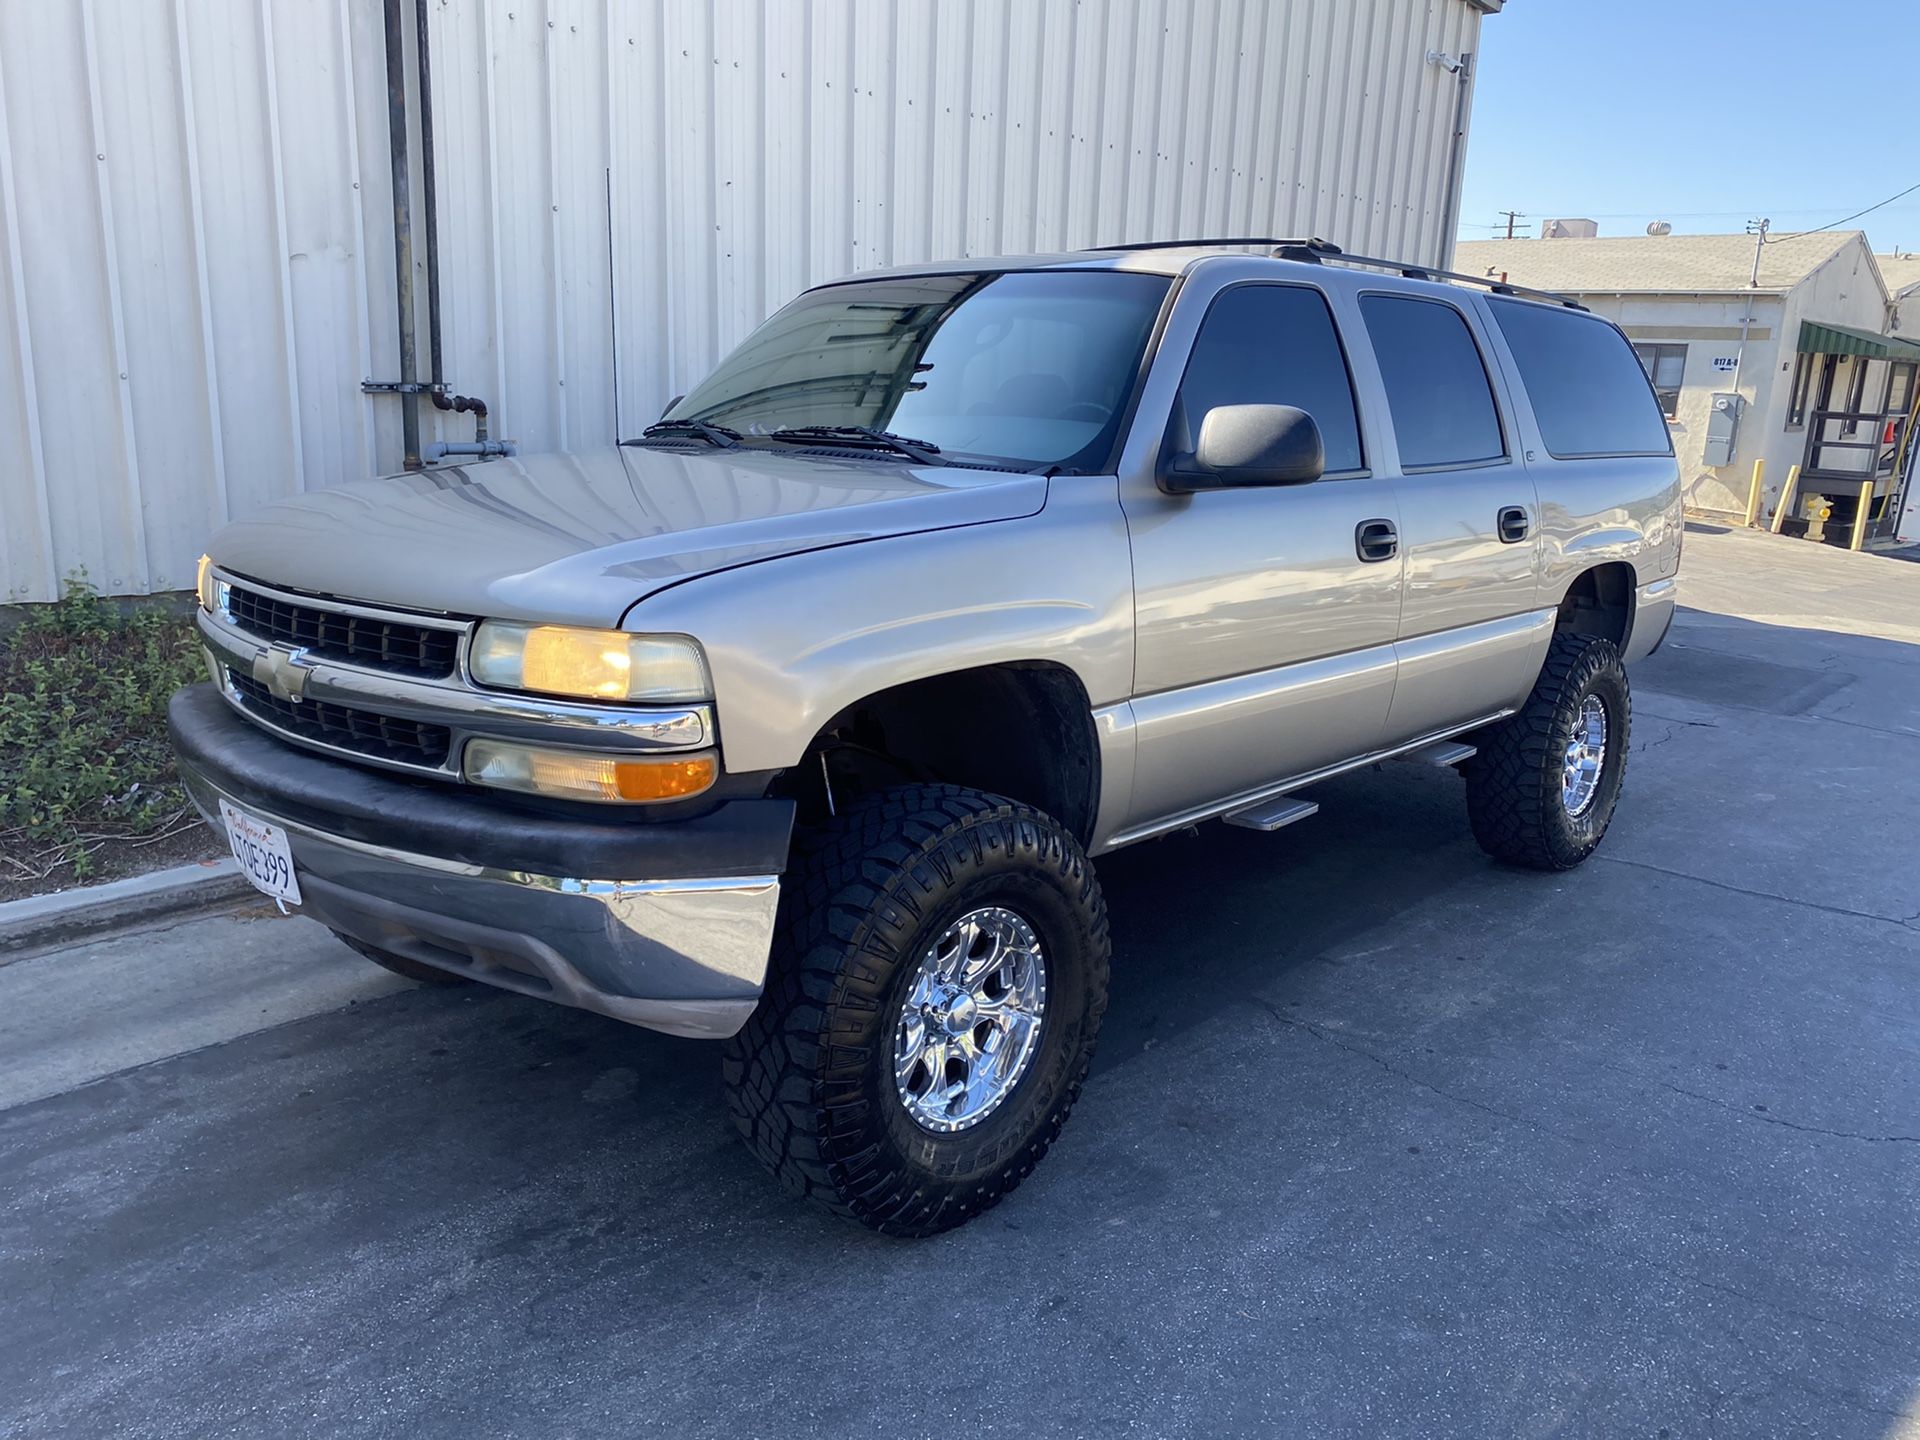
581	775
663	779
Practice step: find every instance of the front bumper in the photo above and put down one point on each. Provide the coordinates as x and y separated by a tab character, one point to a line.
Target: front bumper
665	925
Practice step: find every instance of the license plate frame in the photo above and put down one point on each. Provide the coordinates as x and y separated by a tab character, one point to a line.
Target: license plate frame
262	853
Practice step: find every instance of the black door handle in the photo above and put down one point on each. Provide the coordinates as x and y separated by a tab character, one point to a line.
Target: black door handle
1376	540
1513	525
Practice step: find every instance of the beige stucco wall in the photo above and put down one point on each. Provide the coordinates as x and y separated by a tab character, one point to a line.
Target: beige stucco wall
1844	291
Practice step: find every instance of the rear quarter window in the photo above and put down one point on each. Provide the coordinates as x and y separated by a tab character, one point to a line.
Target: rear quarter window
1589	393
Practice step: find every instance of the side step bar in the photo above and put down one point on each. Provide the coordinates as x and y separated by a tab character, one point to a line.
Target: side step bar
1272	814
1441	752
1285	809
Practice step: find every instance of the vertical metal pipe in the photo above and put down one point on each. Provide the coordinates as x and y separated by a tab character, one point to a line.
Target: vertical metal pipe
1456	160
430	199
427	196
402	230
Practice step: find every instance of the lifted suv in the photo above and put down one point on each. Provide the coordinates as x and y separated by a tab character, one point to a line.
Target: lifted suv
794	721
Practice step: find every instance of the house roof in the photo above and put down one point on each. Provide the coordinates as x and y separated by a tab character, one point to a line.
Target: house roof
1901	272
1655	264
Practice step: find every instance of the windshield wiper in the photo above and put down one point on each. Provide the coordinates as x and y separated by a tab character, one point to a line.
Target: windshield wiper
718	436
921	452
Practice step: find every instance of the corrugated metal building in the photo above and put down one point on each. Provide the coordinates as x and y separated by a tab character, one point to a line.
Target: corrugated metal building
196	237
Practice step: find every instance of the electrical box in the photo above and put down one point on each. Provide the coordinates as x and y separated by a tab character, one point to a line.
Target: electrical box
1723	429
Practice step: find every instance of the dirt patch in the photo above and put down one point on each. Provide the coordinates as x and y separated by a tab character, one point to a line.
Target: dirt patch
115	859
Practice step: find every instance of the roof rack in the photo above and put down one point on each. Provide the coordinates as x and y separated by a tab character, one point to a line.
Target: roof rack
1309	250
1314	250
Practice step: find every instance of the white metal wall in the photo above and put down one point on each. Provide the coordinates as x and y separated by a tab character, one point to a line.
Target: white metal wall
196	241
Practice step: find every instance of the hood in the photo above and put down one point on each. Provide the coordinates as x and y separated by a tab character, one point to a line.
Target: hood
578	539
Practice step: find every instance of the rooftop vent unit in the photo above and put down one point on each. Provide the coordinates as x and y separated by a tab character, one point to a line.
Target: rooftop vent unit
1569	229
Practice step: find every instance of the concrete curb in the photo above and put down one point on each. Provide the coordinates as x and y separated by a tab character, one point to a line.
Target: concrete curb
44	922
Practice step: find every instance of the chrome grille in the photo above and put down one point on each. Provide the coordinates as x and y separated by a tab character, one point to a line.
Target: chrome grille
379	737
397	646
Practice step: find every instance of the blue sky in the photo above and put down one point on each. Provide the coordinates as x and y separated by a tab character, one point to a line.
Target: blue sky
1701	112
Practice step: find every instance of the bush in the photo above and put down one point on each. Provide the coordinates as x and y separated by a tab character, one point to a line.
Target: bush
84	758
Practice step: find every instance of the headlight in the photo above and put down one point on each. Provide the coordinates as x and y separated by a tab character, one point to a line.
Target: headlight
583	775
589	664
205	585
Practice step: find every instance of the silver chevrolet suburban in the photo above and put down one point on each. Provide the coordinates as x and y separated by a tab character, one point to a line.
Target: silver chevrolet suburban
794	721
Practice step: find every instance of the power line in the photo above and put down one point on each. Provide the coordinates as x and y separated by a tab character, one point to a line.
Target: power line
1856	214
1697	214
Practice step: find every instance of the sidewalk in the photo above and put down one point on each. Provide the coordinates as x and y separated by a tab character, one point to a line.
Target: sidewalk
74	1015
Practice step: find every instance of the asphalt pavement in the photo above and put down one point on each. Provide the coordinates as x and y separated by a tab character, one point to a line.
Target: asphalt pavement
1382	1139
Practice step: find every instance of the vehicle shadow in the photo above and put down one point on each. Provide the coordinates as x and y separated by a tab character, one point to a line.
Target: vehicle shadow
1204	917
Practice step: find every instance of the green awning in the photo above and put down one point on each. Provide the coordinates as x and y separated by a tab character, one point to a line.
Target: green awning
1817	338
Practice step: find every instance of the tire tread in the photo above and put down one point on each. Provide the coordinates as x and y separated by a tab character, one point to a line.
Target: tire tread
1510	800
792	1083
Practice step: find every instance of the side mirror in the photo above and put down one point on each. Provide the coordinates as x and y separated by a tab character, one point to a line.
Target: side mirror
1249	445
670	404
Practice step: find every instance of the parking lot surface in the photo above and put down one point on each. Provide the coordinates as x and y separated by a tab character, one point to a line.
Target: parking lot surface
1382	1138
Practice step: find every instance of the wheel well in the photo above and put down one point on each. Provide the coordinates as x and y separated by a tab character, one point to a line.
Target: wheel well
1022	730
1599	603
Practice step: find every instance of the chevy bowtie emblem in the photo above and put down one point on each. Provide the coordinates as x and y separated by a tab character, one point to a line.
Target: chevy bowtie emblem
283	671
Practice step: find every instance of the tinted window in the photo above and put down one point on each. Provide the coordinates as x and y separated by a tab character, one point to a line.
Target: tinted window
1587	387
1437	387
1271	345
1028	367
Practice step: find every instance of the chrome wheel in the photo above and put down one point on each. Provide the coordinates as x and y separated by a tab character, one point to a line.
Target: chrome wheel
1586	754
971	1021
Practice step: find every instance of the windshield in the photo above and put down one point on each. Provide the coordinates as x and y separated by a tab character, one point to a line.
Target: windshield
1029	368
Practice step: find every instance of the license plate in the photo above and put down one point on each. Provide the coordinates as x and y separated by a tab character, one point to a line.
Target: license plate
262	852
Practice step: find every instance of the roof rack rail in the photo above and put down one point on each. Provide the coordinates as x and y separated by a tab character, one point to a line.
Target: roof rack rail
1428	272
1314	251
1311	250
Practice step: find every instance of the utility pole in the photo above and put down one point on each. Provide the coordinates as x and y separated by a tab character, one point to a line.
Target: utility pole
1512	215
1758	229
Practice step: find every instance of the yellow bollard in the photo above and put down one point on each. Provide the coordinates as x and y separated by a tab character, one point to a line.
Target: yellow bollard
1753	492
1860	516
1786	498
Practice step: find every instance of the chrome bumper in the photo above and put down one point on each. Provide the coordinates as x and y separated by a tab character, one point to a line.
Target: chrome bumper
684	955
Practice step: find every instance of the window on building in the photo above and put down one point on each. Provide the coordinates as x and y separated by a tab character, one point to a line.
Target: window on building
1802	386
1856	392
1271	345
1897	398
1588	395
1666	367
1823	391
1437	386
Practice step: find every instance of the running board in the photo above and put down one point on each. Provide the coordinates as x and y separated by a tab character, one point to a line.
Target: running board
1441	752
1272	814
